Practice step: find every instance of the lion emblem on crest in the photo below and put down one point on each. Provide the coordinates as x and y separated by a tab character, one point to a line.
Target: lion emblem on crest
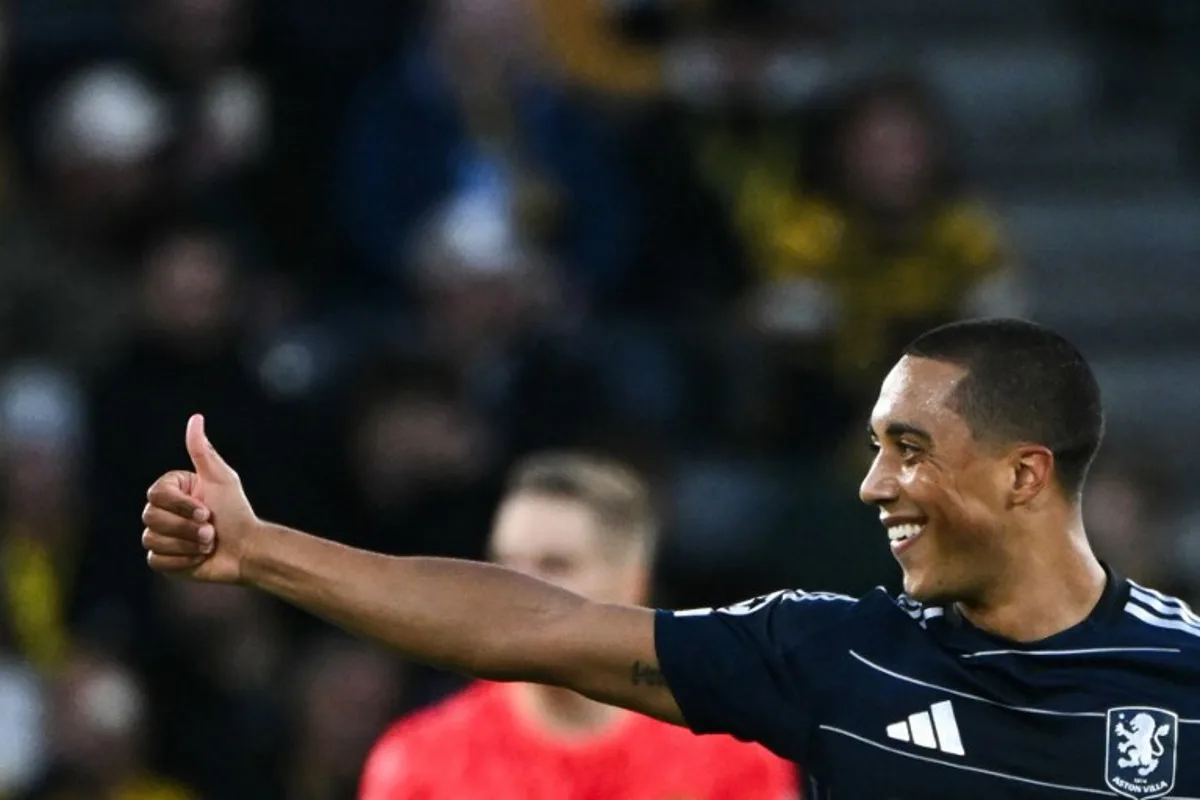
1142	748
1141	743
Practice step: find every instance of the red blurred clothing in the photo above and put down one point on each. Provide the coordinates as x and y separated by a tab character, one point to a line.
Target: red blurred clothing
477	745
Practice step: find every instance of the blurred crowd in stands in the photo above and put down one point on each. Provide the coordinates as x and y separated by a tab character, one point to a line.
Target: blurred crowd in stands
387	249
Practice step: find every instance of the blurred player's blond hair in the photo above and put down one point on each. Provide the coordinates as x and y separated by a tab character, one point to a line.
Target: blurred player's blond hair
614	493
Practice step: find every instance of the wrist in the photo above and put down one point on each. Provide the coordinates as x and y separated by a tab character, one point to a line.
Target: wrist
255	553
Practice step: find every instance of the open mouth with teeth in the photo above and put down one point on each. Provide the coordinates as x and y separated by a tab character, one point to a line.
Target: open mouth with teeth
901	536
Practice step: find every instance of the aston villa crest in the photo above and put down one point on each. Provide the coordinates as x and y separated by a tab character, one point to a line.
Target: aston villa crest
1142	744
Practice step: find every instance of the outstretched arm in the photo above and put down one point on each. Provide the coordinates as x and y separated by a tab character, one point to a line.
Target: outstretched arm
476	618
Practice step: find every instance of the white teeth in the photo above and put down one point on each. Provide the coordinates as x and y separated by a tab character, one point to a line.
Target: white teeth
901	532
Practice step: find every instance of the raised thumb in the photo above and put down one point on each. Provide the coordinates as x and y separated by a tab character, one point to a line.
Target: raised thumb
208	463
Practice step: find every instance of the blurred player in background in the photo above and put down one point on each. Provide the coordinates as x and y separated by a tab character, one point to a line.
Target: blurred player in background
585	525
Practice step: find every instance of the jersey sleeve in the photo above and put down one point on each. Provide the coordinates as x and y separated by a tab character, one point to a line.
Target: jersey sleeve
751	669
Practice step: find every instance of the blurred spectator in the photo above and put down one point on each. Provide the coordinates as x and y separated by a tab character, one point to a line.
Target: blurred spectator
690	265
66	244
23	735
41	508
873	239
195	51
215	678
104	137
1127	511
483	284
192	39
187	355
343	696
98	723
314	55
741	84
469	109
416	473
64	240
603	45
741	526
123	123
421	463
494	310
885	243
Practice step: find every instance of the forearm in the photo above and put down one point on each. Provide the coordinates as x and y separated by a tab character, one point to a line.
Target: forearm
471	617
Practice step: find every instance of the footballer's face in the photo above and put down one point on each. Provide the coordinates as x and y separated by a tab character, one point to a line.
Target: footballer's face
560	541
941	494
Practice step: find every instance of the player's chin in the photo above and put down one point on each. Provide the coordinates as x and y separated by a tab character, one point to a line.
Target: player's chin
920	581
913	584
926	584
917	556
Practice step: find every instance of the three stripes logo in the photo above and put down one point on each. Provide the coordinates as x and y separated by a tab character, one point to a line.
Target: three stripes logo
935	729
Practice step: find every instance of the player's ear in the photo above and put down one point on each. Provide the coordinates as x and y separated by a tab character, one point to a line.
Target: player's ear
1032	472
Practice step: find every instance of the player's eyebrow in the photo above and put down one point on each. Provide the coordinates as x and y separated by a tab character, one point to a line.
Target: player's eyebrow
895	430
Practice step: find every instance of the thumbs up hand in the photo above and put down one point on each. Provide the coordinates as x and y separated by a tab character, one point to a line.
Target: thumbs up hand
198	524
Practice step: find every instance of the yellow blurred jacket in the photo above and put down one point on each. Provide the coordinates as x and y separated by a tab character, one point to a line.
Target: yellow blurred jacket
34	582
580	36
150	787
796	237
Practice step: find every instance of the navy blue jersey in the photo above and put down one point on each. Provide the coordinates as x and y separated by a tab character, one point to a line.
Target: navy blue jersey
881	698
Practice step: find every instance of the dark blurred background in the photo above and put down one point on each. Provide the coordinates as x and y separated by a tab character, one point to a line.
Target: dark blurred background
387	247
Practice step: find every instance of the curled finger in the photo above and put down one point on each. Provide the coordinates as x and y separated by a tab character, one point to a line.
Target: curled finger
172	525
171	546
170	493
165	563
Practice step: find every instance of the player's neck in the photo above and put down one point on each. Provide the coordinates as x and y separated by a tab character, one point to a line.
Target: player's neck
562	713
1050	586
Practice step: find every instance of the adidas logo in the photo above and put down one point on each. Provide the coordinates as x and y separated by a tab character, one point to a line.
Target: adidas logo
935	729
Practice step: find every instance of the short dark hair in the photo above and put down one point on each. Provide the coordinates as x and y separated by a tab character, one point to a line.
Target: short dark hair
617	496
1024	382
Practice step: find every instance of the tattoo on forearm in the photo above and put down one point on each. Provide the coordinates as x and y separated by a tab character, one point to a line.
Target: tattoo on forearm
644	674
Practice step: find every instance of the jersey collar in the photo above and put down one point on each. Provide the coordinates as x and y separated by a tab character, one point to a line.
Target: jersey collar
960	632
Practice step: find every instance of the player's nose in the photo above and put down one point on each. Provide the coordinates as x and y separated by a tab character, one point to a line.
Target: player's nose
879	486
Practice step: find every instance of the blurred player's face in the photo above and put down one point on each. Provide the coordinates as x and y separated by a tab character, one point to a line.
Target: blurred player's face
940	494
560	541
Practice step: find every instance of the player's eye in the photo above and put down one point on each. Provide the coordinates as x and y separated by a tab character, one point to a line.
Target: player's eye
873	445
908	449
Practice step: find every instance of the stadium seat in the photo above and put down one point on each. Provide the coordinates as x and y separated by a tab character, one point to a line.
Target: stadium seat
1088	159
999	87
920	16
